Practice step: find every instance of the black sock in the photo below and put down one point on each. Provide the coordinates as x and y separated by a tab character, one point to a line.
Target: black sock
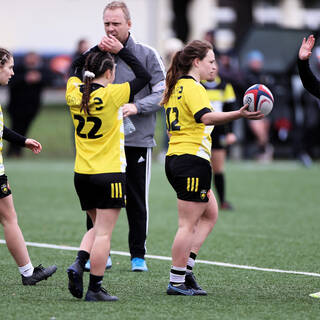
219	184
95	283
83	257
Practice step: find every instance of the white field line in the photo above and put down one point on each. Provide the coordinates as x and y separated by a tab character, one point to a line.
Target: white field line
219	264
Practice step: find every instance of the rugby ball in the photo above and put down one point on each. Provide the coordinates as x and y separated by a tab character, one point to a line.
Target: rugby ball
259	97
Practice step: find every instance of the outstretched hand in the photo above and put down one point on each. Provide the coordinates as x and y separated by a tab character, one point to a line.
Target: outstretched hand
306	47
33	145
252	115
110	44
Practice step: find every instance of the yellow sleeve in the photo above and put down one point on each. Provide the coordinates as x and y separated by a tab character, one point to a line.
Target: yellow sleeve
196	98
72	96
121	93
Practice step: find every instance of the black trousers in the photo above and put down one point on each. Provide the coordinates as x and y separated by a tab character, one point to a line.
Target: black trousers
138	175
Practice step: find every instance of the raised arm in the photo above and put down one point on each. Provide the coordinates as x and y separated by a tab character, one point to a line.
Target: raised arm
306	47
142	75
309	80
113	45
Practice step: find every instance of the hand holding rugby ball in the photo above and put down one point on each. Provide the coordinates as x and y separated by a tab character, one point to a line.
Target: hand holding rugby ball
259	97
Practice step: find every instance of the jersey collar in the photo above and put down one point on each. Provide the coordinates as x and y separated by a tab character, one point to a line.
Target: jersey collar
188	77
94	86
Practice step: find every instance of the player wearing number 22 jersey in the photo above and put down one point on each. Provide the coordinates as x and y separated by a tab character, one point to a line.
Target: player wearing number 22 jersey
99	136
95	106
99	133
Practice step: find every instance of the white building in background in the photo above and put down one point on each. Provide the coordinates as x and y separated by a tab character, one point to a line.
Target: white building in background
56	26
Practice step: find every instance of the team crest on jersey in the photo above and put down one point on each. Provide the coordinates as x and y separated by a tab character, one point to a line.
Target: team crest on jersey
4	189
203	194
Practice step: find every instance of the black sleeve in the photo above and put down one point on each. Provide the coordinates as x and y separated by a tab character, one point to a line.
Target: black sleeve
13	137
309	80
200	113
142	75
77	65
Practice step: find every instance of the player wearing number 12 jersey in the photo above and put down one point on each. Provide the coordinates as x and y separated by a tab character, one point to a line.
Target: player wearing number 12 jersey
95	106
190	119
188	102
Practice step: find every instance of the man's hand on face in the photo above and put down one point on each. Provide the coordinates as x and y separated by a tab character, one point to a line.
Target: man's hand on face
110	44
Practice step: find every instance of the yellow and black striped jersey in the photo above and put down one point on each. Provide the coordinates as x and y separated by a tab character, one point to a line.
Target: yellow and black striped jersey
220	93
188	135
1	143
99	136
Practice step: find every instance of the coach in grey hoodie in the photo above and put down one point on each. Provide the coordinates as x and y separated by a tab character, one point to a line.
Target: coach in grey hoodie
142	113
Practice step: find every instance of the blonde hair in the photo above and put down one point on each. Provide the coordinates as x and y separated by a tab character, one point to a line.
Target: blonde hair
118	5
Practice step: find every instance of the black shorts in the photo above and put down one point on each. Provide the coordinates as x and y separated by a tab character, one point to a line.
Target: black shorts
218	137
4	188
101	191
190	177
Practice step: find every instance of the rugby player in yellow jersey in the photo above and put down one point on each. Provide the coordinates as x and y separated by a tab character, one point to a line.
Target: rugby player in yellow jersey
190	119
95	106
8	216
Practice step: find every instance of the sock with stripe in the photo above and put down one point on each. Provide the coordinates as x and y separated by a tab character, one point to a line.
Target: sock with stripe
191	262
177	275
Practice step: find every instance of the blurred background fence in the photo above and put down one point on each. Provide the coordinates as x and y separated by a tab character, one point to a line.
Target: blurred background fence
274	28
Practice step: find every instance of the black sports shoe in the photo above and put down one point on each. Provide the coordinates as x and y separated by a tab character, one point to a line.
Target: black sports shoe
39	273
101	295
75	274
180	290
191	283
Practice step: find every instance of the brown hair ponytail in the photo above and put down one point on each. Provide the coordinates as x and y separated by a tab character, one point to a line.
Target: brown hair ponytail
172	77
182	63
97	63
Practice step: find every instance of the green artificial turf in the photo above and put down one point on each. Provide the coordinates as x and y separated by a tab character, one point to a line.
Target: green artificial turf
275	225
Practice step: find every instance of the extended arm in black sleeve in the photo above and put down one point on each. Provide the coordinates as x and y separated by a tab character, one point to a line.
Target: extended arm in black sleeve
77	65
309	80
13	137
142	75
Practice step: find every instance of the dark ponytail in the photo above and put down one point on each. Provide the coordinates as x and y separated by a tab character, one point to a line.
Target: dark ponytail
97	63
182	63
